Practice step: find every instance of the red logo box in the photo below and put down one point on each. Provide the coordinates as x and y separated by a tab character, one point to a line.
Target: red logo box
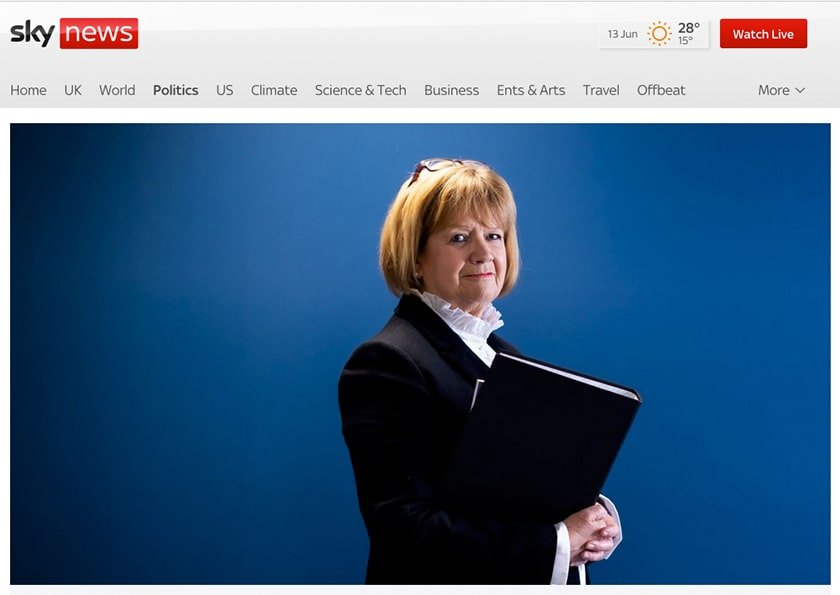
98	34
764	33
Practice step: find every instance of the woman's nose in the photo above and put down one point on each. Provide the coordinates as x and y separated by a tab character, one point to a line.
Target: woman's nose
481	251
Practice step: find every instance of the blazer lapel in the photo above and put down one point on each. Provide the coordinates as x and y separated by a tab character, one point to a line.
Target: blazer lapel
498	344
441	337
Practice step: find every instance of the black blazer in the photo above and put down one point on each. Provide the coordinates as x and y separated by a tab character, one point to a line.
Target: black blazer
404	396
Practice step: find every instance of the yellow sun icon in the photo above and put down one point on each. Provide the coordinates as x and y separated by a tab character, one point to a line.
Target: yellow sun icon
659	33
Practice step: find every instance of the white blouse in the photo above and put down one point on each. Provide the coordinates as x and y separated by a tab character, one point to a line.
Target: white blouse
473	331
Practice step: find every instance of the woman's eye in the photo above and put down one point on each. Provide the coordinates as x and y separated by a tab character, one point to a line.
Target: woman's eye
458	238
494	236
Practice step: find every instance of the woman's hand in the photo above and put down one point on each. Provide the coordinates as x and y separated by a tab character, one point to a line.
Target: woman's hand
591	533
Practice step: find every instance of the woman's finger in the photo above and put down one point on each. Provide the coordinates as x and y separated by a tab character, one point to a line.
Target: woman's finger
593	556
599	545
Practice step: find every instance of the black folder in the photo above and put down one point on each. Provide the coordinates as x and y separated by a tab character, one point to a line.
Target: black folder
538	443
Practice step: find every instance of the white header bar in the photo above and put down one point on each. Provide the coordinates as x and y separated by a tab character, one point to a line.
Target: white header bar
370	54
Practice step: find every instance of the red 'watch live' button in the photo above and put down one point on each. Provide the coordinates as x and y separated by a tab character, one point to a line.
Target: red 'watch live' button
764	33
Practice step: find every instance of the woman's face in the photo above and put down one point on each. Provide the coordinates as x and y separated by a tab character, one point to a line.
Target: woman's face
465	263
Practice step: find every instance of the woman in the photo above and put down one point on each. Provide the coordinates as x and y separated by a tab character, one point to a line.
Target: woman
448	249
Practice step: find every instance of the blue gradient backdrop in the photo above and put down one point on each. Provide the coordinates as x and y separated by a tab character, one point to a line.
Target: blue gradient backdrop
184	297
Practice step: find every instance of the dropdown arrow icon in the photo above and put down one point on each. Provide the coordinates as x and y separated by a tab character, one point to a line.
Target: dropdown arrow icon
798	90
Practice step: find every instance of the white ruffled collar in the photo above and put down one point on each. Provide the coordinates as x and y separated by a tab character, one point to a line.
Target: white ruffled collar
463	322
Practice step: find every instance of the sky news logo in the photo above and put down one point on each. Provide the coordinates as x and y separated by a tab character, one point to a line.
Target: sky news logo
82	34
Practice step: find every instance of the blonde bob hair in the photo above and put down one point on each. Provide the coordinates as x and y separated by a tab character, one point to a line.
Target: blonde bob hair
426	201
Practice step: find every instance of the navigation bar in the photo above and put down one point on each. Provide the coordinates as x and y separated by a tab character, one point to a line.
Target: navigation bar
591	93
